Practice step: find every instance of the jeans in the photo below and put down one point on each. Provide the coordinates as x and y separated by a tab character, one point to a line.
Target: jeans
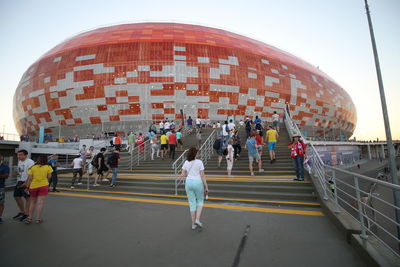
53	179
225	139
248	130
114	175
298	163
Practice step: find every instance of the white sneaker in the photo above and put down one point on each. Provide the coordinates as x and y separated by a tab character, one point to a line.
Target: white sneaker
105	180
72	187
96	185
260	170
252	174
79	183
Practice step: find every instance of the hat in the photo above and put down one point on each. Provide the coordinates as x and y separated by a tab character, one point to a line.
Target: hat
295	134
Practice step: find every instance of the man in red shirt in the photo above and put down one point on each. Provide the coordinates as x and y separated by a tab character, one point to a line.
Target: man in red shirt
172	145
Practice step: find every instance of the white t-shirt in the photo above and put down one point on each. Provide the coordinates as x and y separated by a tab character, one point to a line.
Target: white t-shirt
77	163
218	125
23	167
231	126
161	125
193	169
224	132
241	123
198	121
166	126
275	117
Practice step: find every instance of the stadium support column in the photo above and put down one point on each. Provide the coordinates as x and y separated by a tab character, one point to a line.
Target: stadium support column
369	152
391	155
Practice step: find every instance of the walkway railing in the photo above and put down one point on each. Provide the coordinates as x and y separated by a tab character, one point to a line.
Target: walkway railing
205	151
9	137
368	200
137	154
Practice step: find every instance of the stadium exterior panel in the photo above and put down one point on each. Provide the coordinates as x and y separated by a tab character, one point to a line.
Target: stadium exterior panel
123	77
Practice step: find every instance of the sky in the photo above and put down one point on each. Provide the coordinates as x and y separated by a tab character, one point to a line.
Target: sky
333	35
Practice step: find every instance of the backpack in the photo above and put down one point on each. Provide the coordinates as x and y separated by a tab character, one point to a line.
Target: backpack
217	144
95	161
112	159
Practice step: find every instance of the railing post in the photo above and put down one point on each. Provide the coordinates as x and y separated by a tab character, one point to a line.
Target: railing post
337	208
324	181
360	213
131	159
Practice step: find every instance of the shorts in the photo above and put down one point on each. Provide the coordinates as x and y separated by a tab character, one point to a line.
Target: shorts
164	147
260	148
180	142
275	123
2	196
219	152
20	191
102	169
39	191
271	145
253	157
190	127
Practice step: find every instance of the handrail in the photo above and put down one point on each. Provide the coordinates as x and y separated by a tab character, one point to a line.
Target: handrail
347	190
205	151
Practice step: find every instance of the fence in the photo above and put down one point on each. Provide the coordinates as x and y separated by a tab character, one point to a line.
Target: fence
368	200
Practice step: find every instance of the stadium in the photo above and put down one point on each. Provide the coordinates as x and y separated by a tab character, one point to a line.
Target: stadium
123	77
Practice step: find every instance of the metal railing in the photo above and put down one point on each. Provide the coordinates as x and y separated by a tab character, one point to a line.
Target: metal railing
9	137
139	153
205	152
368	200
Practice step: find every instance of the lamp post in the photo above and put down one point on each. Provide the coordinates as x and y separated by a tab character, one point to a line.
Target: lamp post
390	148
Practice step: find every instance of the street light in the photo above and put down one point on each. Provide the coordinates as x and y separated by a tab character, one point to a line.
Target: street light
390	148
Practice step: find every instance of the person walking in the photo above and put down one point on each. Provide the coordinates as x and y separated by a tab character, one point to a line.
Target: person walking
259	141
198	138
4	173
179	140
196	186
77	168
131	141
237	144
101	167
54	177
38	186
161	125
113	162
225	133
24	164
155	147
140	141
83	152
248	123
172	144
164	145
275	121
89	159
297	153
229	158
258	125
251	146
272	138
189	123
218	148
118	142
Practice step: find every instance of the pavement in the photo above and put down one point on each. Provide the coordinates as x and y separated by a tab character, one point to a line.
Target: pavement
101	231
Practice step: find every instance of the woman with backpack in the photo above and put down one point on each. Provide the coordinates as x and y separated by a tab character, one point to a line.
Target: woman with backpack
218	148
38	186
196	186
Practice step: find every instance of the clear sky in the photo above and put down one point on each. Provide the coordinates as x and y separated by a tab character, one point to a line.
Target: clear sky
330	34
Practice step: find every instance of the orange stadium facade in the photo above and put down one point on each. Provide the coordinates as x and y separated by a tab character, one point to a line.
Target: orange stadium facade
123	77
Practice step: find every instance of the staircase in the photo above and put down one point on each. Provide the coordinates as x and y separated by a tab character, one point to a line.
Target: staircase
272	188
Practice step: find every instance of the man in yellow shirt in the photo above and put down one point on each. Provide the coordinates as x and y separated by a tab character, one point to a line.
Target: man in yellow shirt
272	138
164	145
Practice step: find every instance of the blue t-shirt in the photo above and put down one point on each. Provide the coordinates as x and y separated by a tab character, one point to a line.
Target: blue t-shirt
257	121
251	146
51	162
189	121
4	169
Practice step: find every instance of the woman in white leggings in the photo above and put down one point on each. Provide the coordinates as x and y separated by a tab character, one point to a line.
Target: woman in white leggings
155	147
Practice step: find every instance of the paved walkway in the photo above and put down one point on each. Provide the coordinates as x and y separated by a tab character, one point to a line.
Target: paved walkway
81	231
